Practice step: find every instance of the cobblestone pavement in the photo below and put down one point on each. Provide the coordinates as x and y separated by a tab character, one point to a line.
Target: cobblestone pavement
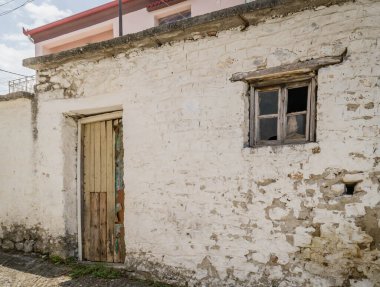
17	270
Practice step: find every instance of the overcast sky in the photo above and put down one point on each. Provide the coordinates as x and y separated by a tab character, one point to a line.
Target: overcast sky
14	46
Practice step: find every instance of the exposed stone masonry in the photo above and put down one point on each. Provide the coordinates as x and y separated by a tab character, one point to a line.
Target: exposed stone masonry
36	240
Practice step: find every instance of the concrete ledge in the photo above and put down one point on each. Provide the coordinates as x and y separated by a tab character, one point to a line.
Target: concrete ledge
204	25
16	95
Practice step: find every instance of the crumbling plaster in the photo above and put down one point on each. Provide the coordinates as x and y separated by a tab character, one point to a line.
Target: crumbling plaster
203	208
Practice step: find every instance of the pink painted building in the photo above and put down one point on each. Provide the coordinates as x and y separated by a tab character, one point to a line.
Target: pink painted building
101	23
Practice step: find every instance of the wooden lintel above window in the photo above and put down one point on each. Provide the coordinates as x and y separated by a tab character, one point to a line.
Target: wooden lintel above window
287	72
159	4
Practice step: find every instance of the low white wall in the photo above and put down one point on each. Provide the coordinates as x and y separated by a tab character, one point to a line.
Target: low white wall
34	218
18	204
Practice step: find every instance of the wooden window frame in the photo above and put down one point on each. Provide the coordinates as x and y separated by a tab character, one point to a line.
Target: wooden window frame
287	74
282	114
175	13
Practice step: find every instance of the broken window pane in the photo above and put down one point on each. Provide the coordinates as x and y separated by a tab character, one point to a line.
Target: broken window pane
268	129
268	102
297	99
296	127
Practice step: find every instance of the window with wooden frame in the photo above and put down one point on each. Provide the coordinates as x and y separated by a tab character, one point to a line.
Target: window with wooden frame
174	17
282	99
282	113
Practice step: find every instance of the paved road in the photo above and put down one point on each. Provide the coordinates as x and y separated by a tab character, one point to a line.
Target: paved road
28	271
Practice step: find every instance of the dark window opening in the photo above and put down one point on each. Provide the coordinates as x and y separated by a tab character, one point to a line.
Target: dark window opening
349	188
297	99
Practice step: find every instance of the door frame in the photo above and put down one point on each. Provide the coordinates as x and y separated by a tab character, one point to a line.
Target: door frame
81	122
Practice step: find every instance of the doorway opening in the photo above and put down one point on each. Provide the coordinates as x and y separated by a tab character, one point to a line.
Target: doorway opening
102	189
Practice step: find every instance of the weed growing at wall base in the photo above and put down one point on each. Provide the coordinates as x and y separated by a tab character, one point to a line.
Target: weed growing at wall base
79	270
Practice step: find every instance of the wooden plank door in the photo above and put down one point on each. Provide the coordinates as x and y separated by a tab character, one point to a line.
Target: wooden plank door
103	191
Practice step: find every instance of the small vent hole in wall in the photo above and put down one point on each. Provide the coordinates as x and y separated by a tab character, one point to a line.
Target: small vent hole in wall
349	188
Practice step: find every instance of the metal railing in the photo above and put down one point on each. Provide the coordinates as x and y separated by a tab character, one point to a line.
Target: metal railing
24	84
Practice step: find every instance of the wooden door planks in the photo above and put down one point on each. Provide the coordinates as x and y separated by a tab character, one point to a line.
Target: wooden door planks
103	157
103	226
91	154
94	226
99	194
103	193
86	192
97	157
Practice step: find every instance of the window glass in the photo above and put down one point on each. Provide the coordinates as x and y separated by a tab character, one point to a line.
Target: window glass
296	127
268	102
174	17
297	99
268	129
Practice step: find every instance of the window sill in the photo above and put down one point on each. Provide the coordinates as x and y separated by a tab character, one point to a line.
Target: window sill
278	147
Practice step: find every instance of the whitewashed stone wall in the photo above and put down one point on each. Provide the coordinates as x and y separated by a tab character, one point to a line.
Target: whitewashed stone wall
200	206
18	208
16	146
30	220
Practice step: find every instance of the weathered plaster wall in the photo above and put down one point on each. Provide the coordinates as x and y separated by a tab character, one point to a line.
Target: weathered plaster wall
16	145
201	207
32	219
18	207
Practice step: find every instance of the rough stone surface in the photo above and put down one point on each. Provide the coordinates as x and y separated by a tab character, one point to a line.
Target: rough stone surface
17	236
37	240
353	178
201	208
40	247
8	245
28	246
19	246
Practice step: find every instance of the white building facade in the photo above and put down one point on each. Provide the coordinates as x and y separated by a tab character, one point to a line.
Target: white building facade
219	186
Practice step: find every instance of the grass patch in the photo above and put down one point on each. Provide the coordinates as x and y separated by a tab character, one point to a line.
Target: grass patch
80	270
96	270
57	260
